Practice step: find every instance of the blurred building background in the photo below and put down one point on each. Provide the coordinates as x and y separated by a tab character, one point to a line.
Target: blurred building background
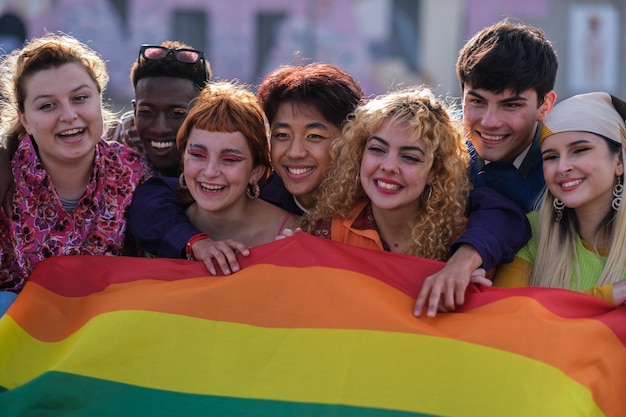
382	43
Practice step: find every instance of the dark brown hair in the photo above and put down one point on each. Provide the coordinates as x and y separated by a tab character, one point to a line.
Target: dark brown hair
508	55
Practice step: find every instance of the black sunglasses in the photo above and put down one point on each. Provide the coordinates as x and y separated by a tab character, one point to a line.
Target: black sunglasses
185	55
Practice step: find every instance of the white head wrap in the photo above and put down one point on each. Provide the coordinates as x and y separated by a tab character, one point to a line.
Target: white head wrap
591	112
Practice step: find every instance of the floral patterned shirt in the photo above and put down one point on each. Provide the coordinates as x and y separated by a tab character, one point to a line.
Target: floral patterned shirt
41	228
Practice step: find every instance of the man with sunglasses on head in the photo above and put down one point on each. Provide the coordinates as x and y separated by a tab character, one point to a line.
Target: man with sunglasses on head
165	78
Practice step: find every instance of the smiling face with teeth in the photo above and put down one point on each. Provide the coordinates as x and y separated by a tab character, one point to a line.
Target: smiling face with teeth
300	142
580	170
218	167
63	113
501	126
394	169
160	107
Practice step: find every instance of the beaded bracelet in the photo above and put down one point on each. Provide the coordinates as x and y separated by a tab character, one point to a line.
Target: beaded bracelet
192	240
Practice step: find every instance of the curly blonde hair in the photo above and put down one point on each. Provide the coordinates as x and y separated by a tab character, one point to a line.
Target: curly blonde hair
440	216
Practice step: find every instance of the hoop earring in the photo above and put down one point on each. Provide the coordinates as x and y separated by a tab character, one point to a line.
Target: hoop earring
558	209
617	194
253	191
182	182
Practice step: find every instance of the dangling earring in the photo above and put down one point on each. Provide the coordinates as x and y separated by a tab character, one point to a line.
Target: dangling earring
426	196
617	194
253	191
430	187
182	182
558	209
357	178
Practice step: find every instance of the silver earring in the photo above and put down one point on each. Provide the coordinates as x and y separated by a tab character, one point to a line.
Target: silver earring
558	209
253	191
617	194
357	178
182	182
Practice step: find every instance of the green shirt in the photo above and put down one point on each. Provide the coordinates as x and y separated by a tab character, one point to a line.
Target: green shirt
590	263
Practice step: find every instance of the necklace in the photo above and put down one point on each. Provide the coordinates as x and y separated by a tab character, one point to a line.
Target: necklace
295	200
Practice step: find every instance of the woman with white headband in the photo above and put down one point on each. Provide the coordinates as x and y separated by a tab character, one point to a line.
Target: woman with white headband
579	230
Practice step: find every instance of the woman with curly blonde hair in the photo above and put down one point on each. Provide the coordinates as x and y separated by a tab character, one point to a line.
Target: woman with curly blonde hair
399	178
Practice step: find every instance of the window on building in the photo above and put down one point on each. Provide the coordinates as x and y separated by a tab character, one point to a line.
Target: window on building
404	40
191	27
267	26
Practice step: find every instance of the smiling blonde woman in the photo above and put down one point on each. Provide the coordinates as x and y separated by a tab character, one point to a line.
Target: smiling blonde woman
579	232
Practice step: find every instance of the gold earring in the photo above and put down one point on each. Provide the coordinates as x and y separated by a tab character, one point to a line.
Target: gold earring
253	190
182	182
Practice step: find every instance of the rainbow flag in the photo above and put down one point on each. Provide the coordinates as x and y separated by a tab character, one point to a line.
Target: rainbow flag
308	327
